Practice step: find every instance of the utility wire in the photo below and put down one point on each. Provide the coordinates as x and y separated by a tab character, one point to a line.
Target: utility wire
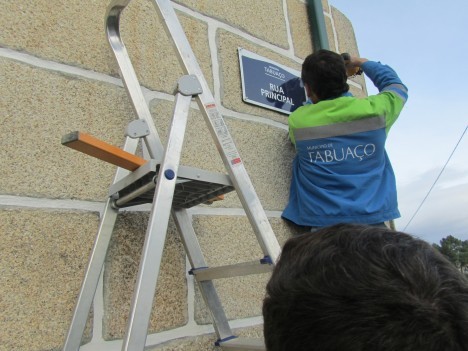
432	187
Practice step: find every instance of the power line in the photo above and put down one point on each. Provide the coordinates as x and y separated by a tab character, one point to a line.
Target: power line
442	170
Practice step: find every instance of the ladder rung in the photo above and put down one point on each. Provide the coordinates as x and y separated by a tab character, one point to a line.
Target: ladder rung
100	149
243	344
229	271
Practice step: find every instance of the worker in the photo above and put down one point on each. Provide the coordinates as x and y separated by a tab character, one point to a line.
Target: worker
353	287
341	172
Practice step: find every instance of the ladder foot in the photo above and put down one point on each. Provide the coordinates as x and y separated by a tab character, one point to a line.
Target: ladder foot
235	343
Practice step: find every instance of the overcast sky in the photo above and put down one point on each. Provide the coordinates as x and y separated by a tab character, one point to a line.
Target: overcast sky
426	42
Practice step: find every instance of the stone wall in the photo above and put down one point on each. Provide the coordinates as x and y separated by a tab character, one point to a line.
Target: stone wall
58	75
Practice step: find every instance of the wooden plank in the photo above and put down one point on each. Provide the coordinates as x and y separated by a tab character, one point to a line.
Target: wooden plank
106	152
217	198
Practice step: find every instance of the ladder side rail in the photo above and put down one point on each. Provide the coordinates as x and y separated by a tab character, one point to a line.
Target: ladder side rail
145	287
129	77
220	133
196	259
241	181
95	264
247	344
234	270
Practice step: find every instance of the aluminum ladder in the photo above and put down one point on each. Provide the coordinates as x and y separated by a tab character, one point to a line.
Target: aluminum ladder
163	182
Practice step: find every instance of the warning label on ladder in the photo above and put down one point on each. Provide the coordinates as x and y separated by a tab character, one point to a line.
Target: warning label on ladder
222	132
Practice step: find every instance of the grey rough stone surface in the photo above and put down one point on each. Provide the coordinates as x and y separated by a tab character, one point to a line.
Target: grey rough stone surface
38	109
120	272
344	30
361	93
65	32
43	257
58	30
347	41
148	44
362	82
299	25
267	154
325	6
267	24
330	33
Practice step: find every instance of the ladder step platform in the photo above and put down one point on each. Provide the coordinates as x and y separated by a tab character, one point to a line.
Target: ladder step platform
193	187
229	271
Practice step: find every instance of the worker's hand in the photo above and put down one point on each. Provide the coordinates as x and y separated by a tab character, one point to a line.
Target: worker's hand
353	64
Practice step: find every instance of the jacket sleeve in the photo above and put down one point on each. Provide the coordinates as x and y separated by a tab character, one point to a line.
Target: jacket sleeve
385	79
392	92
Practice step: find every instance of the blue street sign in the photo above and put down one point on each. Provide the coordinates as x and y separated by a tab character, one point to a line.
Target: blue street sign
268	84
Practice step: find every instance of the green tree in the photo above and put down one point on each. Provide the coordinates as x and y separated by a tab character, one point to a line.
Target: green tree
455	250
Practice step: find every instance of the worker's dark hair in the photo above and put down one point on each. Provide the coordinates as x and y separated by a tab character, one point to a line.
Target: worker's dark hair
325	73
361	288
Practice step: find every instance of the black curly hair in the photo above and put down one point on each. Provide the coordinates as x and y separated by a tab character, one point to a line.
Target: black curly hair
324	72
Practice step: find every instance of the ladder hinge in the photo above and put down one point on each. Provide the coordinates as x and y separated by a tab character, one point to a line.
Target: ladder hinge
137	129
189	85
266	260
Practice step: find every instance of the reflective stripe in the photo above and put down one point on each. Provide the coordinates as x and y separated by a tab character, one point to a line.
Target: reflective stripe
399	89
337	129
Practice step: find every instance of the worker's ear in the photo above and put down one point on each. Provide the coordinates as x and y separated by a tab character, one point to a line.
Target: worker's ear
314	98
310	94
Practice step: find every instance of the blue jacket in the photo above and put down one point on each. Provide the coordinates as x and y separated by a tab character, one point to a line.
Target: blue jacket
341	172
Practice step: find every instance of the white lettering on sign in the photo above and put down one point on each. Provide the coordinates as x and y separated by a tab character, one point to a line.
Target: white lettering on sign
277	89
276	92
274	72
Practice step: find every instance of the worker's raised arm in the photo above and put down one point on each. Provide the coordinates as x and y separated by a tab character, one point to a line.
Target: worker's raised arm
383	77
